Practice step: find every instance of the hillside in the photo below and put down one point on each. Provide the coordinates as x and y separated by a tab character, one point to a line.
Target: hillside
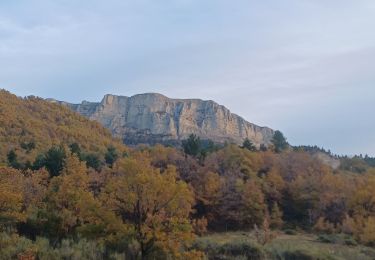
32	125
97	199
153	118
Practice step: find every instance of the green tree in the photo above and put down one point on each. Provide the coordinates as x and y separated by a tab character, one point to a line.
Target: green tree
13	159
192	146
279	142
93	161
53	160
248	144
111	156
76	149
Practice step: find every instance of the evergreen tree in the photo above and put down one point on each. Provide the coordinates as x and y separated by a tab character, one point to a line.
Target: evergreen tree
279	142
76	149
54	160
111	156
93	161
192	146
247	144
13	159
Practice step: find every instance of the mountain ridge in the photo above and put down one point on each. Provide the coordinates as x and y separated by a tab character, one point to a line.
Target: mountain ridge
155	118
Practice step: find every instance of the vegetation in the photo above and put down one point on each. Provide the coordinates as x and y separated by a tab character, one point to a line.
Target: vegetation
30	126
247	144
68	190
279	142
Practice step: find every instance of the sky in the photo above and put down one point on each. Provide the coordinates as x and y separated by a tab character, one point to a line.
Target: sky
305	67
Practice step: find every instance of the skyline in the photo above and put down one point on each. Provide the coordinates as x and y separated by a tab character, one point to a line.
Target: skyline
302	67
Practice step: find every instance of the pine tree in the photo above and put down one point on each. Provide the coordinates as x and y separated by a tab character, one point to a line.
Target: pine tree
247	144
279	142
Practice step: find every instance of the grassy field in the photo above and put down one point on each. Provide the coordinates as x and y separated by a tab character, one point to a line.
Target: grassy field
241	245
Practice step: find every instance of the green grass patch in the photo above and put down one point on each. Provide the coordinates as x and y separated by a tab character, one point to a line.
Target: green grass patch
243	245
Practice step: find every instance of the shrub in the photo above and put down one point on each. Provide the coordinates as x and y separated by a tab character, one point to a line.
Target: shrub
12	246
299	254
290	232
328	238
206	245
236	249
242	248
350	241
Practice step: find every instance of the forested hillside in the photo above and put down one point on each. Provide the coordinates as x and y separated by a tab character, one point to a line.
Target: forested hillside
69	191
29	126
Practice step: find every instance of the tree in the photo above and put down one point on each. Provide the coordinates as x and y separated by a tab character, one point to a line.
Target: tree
93	161
111	156
207	191
279	142
13	160
254	207
53	160
155	205
247	144
192	146
72	208
75	149
11	198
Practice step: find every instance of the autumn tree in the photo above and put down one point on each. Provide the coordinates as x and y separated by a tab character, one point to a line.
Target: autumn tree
207	188
155	205
71	207
254	207
11	198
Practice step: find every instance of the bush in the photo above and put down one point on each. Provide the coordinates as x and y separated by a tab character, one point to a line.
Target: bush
237	249
299	254
328	238
206	245
242	248
12	246
350	241
290	232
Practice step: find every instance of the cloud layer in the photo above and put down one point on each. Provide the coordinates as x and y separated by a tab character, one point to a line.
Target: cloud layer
305	67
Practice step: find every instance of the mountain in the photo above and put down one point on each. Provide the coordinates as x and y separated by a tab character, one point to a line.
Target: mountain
31	125
154	118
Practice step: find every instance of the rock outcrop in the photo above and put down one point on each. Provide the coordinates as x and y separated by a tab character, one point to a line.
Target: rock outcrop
154	118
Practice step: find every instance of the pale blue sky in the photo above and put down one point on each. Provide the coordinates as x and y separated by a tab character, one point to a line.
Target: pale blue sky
306	67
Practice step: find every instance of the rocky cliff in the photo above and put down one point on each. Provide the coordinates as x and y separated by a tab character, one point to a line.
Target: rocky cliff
154	118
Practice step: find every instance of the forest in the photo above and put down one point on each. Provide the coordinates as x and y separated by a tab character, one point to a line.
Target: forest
68	190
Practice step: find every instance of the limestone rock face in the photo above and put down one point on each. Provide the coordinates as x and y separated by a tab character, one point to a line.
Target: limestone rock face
154	118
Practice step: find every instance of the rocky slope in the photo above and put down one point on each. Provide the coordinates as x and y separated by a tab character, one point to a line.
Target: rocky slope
154	118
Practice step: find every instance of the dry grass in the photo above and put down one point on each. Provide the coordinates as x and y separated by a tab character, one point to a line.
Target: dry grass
300	246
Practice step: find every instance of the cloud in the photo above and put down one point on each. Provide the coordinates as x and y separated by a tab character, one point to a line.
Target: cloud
302	66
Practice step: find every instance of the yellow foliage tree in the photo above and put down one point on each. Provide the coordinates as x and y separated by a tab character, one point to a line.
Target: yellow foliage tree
74	206
11	198
155	205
